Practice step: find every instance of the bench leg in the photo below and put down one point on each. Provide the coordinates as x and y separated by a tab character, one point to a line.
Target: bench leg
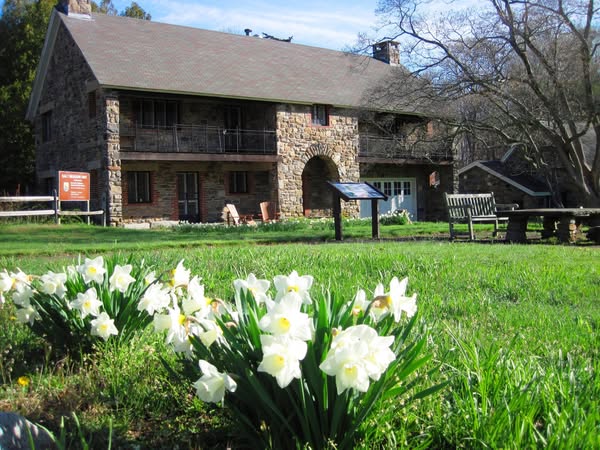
471	232
451	225
516	230
567	229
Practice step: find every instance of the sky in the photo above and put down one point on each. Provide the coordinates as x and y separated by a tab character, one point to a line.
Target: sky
333	24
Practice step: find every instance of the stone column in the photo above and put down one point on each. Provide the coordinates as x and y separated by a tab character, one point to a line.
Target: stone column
112	160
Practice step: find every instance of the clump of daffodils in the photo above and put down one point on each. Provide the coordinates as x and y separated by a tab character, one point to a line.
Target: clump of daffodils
282	356
89	300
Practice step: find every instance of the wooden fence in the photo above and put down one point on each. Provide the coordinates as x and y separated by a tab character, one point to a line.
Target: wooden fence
54	211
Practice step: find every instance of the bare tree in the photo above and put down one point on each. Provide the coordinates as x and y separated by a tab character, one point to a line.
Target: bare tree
512	72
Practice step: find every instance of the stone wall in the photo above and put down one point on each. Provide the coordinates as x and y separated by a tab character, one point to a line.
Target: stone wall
74	105
298	141
213	189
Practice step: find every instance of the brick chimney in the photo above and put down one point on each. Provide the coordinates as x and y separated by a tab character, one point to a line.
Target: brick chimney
74	7
387	51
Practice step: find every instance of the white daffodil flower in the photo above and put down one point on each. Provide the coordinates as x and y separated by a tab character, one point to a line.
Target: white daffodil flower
22	294
54	284
258	288
103	326
281	358
357	355
284	318
87	303
121	278
360	303
6	281
180	276
26	314
209	332
173	323
293	283
150	278
195	300
92	270
155	298
397	300
212	384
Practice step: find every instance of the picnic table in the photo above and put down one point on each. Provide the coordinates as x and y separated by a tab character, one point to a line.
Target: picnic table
560	222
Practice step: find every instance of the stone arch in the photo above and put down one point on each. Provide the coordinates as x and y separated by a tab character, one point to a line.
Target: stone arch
317	196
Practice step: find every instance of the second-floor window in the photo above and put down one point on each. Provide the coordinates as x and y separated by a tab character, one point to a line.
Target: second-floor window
138	187
47	126
155	113
320	115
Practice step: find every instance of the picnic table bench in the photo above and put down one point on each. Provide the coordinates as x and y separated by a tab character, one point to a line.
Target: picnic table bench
475	208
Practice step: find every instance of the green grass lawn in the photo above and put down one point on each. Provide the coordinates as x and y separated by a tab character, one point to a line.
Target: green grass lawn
514	329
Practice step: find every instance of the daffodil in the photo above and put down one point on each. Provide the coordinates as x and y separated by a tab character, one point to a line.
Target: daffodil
180	276
22	295
360	303
53	284
121	278
87	303
357	354
92	270
195	300
284	318
173	323
293	283
6	281
103	326
395	300
212	384
155	298
258	288
281	358
26	314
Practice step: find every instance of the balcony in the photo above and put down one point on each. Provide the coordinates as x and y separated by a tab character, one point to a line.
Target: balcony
198	139
377	148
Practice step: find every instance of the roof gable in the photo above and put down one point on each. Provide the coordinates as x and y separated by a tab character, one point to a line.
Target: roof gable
523	182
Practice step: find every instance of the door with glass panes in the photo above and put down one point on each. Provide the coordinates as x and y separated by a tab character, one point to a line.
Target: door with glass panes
401	193
187	196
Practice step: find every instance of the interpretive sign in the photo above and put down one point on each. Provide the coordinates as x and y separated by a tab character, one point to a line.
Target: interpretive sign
358	191
73	186
355	191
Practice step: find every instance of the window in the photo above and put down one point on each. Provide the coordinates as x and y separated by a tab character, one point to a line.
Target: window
138	187
92	105
320	115
238	183
46	126
407	188
155	113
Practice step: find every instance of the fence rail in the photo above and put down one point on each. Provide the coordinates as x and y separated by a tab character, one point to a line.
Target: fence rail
55	211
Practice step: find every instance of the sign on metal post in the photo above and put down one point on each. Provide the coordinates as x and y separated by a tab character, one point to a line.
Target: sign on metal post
355	191
73	186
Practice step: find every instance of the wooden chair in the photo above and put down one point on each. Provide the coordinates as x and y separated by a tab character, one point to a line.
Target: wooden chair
235	217
268	213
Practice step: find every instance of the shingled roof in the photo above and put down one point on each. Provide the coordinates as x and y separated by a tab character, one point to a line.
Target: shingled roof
135	54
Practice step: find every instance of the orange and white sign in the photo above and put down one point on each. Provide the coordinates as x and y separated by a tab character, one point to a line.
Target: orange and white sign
73	186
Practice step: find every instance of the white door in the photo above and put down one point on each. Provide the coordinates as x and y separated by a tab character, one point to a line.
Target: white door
401	192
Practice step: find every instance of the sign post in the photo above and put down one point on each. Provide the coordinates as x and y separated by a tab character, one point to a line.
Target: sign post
355	191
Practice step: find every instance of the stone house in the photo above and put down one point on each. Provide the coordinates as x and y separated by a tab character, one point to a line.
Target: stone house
173	122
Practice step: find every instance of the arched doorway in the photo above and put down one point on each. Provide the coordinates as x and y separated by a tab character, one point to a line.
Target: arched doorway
317	196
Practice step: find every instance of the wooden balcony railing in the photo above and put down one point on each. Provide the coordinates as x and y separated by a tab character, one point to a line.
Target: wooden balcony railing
197	139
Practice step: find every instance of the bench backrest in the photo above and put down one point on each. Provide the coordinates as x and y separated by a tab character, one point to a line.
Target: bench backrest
481	204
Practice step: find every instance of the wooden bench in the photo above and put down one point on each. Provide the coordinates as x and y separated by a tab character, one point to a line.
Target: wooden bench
474	208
